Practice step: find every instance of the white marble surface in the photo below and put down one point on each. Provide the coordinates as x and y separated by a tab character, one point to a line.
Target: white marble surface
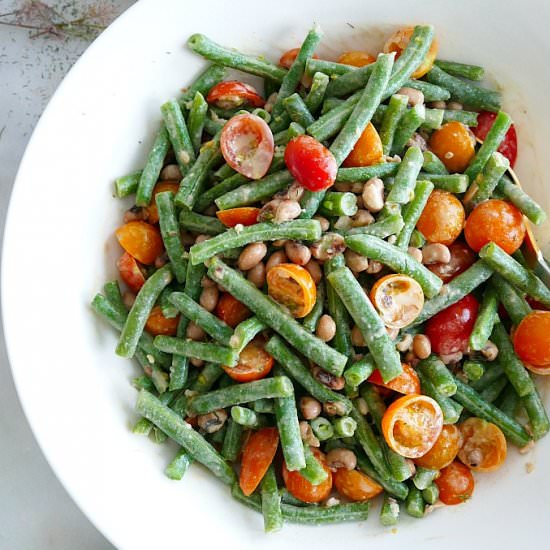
35	510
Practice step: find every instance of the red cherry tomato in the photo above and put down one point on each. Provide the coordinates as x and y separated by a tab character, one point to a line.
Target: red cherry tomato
455	483
531	339
311	163
462	257
231	311
233	94
254	363
244	215
449	330
130	272
247	145
258	454
509	145
407	382
287	59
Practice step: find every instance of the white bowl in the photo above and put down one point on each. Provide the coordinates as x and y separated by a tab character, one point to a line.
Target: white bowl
59	250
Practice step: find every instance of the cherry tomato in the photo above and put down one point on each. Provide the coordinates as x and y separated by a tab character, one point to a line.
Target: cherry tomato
141	240
300	488
462	257
287	59
254	363
247	145
442	219
367	149
407	382
455	483
532	339
356	58
398	41
157	323
497	221
231	311
244	215
509	145
233	94
444	450
483	445
292	286
130	272
449	330
310	163
152	212
398	298
258	454
355	485
412	424
454	145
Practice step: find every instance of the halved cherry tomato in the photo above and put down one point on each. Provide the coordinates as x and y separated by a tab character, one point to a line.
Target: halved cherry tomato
288	58
141	240
399	40
258	454
233	94
407	382
455	483
292	286
532	339
367	149
412	424
310	163
157	323
247	145
449	330
244	215
152	212
302	489
454	145
497	221
355	485
130	272
444	450
462	257
509	145
254	363
231	311
398	298
483	445
442	219
356	58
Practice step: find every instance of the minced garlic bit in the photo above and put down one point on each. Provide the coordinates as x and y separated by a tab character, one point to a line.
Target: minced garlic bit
529	467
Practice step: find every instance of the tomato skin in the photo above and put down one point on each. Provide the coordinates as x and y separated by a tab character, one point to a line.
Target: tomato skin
367	150
168	185
292	286
355	485
509	145
454	145
498	221
231	311
158	324
444	450
244	215
258	454
130	272
483	446
356	58
302	489
462	257
232	94
449	330
532	338
406	383
288	58
141	240
310	163
254	363
455	483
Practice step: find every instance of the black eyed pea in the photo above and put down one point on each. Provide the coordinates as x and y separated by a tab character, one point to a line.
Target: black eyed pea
415	97
308	437
421	346
373	195
310	407
325	224
213	421
276	258
489	351
315	271
257	275
297	253
357	338
374	267
416	253
170	172
286	210
194	332
436	253
356	262
201	238
341	458
209	298
362	218
251	255
326	328
328	379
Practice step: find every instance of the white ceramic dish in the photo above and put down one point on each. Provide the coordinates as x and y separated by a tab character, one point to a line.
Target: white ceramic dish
59	250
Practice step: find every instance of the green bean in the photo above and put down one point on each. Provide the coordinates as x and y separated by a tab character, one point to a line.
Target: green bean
417	239
179	465
391	224
263	114
474	370
312	318
264	406
245	332
329	68
415	505
211	76
111	290
338	204
451	410
408	124
492	392
207	378
487	180
158	376
350	80
178	135
433	165
412	212
280	321
389	513
359	371
364	173
538	418
284	136
398	260
198	350
297	110
271	502
313	470
514	303
509	401
158	436
468	94
317	515
405	179
493	371
433	119
246	417
486	318
431	92
431	494
142	427
454	183
198	223
375	403
517	196
396	107
424	477
468	118
344	426
223	172
369	322
232	441
395	488
463	70
143	383
153	166
435	370
213	124
317	91
168	310
322	428
127	185
455	290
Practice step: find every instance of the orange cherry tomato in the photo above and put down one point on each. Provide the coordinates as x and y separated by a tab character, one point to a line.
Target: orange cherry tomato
454	145
302	489
152	212
407	382
442	219
455	483
254	363
231	311
398	298
232	94
483	445
356	58
462	257
244	215
292	286
398	41
444	450
258	454
532	340
157	323
367	150
412	424
497	221
247	145
130	272
287	59
355	485
141	240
